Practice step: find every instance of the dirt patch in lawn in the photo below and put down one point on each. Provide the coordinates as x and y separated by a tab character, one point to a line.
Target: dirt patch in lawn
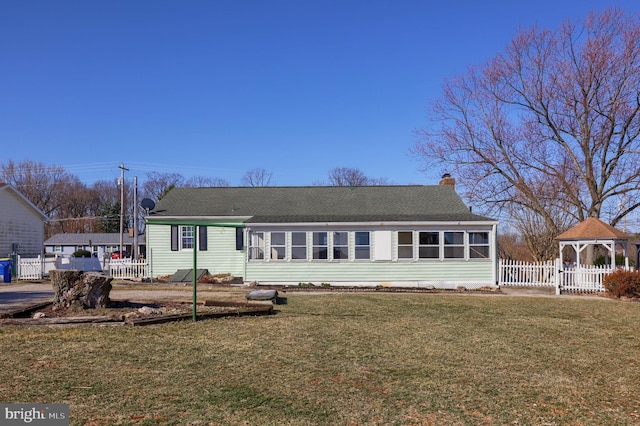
122	310
136	313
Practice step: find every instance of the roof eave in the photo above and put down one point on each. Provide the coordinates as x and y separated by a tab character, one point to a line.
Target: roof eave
378	223
178	218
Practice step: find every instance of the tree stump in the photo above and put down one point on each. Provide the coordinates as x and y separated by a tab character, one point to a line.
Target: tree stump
79	288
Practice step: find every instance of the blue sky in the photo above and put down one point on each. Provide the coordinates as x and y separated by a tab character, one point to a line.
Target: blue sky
215	88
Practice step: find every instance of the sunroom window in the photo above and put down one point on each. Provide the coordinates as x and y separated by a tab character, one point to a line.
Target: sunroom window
278	245
478	245
454	245
405	245
363	245
256	246
340	245
320	245
299	245
429	245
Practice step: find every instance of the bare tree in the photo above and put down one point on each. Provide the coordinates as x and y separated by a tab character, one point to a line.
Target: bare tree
51	189
349	176
41	184
512	246
256	177
158	184
550	127
200	181
77	212
107	210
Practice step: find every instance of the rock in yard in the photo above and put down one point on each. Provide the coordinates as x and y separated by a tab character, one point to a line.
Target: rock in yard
262	295
148	310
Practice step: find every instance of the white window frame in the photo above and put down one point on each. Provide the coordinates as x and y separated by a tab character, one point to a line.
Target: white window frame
360	248
299	246
320	247
340	247
256	246
438	245
279	249
412	245
185	233
455	246
486	245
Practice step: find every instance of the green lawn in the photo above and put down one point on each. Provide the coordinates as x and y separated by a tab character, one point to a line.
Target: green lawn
345	359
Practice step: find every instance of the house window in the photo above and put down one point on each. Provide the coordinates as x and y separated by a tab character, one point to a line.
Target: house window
429	245
320	245
454	245
340	245
57	249
405	245
363	245
478	245
278	245
299	245
187	237
256	245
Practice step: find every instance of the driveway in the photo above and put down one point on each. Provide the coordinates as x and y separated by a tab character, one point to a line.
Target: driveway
16	296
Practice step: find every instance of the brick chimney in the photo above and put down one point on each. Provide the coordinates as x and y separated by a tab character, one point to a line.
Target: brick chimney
448	180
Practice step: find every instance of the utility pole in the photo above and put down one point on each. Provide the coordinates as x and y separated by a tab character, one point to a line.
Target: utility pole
122	169
134	252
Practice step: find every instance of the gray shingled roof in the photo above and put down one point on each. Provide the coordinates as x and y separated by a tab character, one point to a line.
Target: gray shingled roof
97	239
318	204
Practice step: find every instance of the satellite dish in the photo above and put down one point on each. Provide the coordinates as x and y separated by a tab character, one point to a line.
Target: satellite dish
148	203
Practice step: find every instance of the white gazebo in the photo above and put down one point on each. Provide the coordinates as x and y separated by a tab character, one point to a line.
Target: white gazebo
591	233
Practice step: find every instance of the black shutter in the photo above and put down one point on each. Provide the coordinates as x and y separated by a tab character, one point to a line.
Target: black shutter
239	238
174	237
202	238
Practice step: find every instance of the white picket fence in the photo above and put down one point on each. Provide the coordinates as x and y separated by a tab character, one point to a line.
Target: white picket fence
30	268
583	279
564	278
518	273
126	269
36	268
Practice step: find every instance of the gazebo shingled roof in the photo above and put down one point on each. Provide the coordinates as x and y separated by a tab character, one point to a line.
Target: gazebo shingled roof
592	229
592	232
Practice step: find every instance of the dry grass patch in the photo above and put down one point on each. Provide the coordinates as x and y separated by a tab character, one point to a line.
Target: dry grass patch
344	359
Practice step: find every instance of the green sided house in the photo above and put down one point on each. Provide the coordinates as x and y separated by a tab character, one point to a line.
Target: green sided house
411	236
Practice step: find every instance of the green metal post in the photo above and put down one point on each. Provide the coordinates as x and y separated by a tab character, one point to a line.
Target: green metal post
195	268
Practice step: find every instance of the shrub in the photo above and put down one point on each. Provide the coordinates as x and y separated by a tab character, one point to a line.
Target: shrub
82	253
620	259
622	283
